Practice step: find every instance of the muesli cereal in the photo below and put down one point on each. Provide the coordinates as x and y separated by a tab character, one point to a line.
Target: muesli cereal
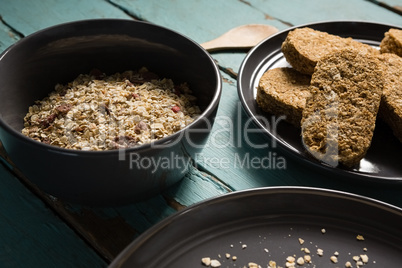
98	112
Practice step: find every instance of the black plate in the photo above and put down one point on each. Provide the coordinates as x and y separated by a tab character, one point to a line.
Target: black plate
270	221
383	160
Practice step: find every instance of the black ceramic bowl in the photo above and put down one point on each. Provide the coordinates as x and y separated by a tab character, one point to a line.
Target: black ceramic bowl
31	68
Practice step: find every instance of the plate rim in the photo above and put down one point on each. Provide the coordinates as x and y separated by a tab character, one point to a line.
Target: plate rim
158	227
366	177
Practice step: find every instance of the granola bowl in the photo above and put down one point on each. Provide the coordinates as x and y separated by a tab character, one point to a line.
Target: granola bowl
133	170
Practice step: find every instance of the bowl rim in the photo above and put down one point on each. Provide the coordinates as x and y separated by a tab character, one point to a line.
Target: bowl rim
143	147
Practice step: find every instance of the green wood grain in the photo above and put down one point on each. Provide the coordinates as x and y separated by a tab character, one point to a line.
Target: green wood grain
32	236
199	20
298	12
110	230
7	37
196	187
30	16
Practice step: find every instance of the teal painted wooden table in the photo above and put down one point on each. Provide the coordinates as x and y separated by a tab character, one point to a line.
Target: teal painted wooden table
38	230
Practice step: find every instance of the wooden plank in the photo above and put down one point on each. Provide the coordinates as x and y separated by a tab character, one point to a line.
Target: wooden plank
31	235
30	16
326	10
110	229
7	37
183	16
199	20
196	187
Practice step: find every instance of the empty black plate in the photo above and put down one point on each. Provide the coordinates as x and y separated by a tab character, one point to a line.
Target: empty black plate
383	160
266	224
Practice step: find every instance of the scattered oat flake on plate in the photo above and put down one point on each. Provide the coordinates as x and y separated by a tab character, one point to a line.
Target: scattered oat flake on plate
210	263
364	258
300	261
253	265
206	261
356	258
334	259
215	263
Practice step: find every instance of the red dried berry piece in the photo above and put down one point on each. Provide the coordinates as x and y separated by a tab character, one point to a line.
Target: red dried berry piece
45	123
176	109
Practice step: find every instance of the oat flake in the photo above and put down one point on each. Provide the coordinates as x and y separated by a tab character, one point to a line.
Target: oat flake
98	112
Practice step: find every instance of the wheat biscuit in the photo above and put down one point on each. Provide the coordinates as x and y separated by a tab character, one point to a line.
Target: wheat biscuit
283	91
391	99
304	47
392	42
339	118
